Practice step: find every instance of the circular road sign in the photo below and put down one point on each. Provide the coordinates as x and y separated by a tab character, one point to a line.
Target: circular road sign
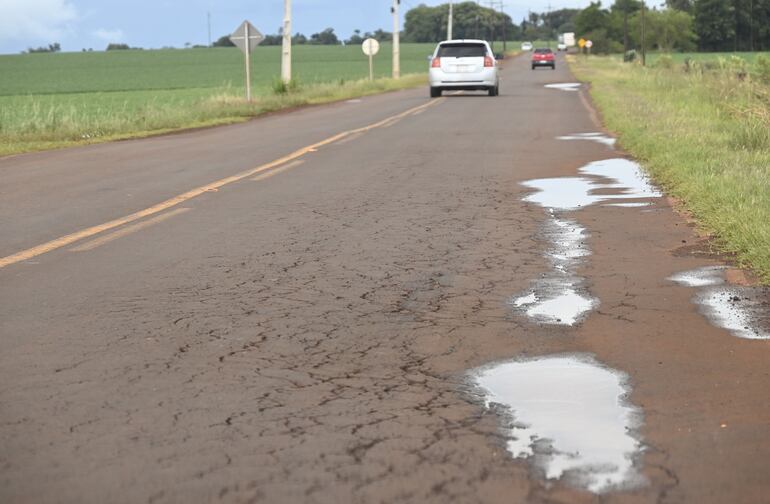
589	44
370	47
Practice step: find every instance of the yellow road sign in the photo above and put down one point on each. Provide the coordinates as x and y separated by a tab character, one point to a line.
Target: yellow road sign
582	43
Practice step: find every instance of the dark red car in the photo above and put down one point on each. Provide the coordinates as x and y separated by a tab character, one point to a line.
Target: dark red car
543	57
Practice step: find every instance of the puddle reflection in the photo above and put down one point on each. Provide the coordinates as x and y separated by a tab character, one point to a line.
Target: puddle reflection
572	193
569	416
565	86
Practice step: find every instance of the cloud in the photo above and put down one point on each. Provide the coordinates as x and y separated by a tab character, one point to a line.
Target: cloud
109	35
36	20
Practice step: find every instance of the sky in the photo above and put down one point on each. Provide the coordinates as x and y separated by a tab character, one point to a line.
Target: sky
78	24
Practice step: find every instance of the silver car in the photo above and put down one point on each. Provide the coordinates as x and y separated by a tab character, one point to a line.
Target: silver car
463	65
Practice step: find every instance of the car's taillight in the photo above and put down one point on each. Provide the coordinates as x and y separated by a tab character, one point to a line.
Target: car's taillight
488	61
436	63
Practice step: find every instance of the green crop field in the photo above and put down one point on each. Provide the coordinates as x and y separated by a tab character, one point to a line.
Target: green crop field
50	100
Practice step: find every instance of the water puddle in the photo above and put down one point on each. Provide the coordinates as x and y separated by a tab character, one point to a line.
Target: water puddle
569	415
593	137
628	175
558	297
565	307
572	193
565	86
566	193
739	310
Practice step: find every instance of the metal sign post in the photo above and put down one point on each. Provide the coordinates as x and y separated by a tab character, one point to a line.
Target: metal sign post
371	47
247	38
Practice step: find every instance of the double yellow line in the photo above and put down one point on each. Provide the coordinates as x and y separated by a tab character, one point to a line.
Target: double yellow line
63	241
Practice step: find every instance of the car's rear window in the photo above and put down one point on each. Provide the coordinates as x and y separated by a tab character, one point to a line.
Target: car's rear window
543	51
462	50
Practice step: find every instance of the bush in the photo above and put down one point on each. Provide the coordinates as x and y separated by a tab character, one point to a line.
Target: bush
665	61
763	68
281	88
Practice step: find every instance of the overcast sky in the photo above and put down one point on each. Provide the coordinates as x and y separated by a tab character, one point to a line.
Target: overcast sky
78	24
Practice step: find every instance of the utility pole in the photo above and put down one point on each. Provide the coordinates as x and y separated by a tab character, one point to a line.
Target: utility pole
644	45
396	41
208	17
247	55
625	31
751	25
449	22
286	49
505	34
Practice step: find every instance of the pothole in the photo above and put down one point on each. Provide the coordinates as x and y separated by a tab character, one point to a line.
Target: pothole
592	137
559	297
743	311
566	306
564	86
569	416
572	193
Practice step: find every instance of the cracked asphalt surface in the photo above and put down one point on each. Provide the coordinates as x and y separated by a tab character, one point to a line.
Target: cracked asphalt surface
305	337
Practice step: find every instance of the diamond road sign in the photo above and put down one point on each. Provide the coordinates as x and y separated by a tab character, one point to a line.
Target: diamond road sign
239	36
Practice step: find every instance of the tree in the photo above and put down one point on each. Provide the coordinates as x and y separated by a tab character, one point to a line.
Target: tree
715	24
666	30
682	5
223	41
326	37
470	20
355	39
591	18
117	47
52	48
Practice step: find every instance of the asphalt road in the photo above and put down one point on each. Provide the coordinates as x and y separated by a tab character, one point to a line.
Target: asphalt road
287	310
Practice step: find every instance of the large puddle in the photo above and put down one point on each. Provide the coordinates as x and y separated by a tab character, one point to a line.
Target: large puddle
569	415
572	193
739	310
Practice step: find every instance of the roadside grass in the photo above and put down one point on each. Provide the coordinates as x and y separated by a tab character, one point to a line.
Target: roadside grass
704	135
750	57
58	100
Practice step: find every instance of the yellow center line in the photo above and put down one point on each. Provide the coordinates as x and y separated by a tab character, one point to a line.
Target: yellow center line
133	228
348	139
63	241
278	170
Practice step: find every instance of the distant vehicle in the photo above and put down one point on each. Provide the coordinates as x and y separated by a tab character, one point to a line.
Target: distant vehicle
562	46
543	57
526	46
463	65
568	39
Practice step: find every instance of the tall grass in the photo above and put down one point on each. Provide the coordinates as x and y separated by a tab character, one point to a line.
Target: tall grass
703	132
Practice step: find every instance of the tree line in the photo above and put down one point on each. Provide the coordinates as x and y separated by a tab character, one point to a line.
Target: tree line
679	25
324	37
